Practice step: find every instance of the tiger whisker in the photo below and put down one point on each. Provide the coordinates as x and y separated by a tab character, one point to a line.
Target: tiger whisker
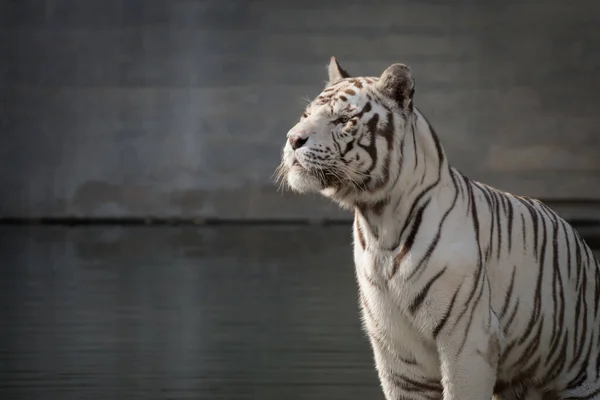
279	177
305	100
347	171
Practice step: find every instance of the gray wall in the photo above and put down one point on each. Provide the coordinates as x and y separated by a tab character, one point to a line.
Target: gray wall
180	107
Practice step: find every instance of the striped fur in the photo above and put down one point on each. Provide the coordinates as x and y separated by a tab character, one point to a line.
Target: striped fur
466	291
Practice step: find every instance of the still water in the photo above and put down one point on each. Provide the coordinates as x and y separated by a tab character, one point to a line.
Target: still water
181	313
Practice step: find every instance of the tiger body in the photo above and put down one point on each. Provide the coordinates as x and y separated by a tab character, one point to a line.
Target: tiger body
465	291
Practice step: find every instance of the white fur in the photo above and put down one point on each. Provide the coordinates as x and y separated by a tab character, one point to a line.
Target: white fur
404	345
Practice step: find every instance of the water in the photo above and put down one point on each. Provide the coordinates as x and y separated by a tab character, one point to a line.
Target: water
181	313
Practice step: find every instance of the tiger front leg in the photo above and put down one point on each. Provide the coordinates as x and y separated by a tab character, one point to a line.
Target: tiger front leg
403	378
469	355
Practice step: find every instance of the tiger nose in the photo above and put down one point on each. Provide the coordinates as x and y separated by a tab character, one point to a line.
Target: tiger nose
297	141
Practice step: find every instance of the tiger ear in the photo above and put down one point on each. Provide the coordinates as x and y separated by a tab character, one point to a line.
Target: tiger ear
397	83
336	72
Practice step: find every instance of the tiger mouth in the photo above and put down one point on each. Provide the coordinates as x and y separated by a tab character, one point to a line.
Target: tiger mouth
308	169
325	175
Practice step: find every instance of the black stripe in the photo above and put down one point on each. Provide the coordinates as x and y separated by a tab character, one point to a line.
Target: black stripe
576	321
460	184
509	291
479	270
438	146
558	328
425	164
556	368
488	200
436	238
498	196
489	249
581	340
411	385
577	253
568	243
534	219
598	358
371	149
597	292
537	300
554	345
510	218
438	328
555	278
578	380
418	300
428	188
388	133
359	234
513	314
471	315
416	150
524	232
409	240
532	347
369	313
582	374
414	204
590	396
506	352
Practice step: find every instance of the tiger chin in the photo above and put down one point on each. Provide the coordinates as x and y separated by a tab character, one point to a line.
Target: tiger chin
466	292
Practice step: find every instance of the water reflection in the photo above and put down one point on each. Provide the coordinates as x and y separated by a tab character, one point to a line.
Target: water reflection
177	313
181	313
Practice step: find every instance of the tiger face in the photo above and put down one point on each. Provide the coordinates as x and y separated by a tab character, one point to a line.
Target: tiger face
342	145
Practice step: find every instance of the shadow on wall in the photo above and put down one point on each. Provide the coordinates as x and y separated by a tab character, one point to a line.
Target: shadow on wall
180	108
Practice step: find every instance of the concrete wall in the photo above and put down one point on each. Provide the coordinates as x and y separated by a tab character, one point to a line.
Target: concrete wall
180	107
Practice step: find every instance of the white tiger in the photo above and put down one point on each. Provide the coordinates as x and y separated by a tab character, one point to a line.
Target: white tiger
466	291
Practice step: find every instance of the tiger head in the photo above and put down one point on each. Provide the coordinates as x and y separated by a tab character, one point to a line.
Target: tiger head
343	145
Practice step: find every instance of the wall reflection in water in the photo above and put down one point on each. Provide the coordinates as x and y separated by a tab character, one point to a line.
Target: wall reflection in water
175	313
